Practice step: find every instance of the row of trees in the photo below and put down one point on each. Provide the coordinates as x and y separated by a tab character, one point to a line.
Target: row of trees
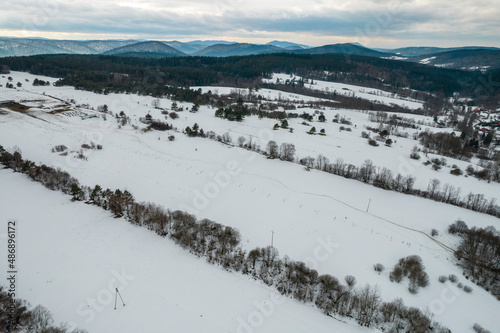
37	82
233	113
447	144
220	244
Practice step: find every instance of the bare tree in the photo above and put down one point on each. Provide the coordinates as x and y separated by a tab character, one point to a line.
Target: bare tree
366	172
350	280
433	188
287	151
272	149
155	103
40	319
241	141
368	302
322	162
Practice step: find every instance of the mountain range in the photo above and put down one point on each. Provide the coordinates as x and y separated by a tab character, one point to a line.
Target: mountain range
465	58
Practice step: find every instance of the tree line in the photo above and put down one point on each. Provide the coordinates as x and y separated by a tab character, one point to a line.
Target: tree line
245	71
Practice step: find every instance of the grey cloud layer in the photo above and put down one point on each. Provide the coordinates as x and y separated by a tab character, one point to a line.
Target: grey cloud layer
382	18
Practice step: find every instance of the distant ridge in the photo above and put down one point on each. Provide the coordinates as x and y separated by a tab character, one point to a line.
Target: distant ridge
346	48
426	50
469	58
209	42
159	48
287	45
33	46
188	48
237	49
465	58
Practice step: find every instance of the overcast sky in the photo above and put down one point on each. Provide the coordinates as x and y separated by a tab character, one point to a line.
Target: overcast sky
373	23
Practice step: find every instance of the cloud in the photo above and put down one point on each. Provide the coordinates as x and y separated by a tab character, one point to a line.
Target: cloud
469	21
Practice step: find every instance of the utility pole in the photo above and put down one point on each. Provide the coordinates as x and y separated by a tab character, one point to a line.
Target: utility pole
272	238
116	296
369	201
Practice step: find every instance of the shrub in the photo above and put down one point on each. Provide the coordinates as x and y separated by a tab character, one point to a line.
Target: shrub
434	233
397	274
413	287
436	167
160	126
378	268
456	172
467	289
479	329
415	156
173	115
171	138
453	278
59	148
413	268
459	227
443	278
372	142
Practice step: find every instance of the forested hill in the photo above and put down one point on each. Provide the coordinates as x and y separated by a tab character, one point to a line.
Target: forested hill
98	71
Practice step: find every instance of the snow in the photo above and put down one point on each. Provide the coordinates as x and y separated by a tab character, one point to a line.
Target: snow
268	94
427	60
395	58
232	186
370	94
72	257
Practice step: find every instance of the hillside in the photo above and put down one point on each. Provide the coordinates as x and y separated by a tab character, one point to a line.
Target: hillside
422	50
157	48
188	48
237	49
366	71
287	45
465	59
346	48
301	209
26	46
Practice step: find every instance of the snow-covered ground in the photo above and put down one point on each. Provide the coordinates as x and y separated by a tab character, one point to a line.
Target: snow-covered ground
72	256
232	186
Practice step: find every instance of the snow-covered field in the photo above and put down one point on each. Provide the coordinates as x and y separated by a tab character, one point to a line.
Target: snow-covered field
370	94
232	186
72	256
